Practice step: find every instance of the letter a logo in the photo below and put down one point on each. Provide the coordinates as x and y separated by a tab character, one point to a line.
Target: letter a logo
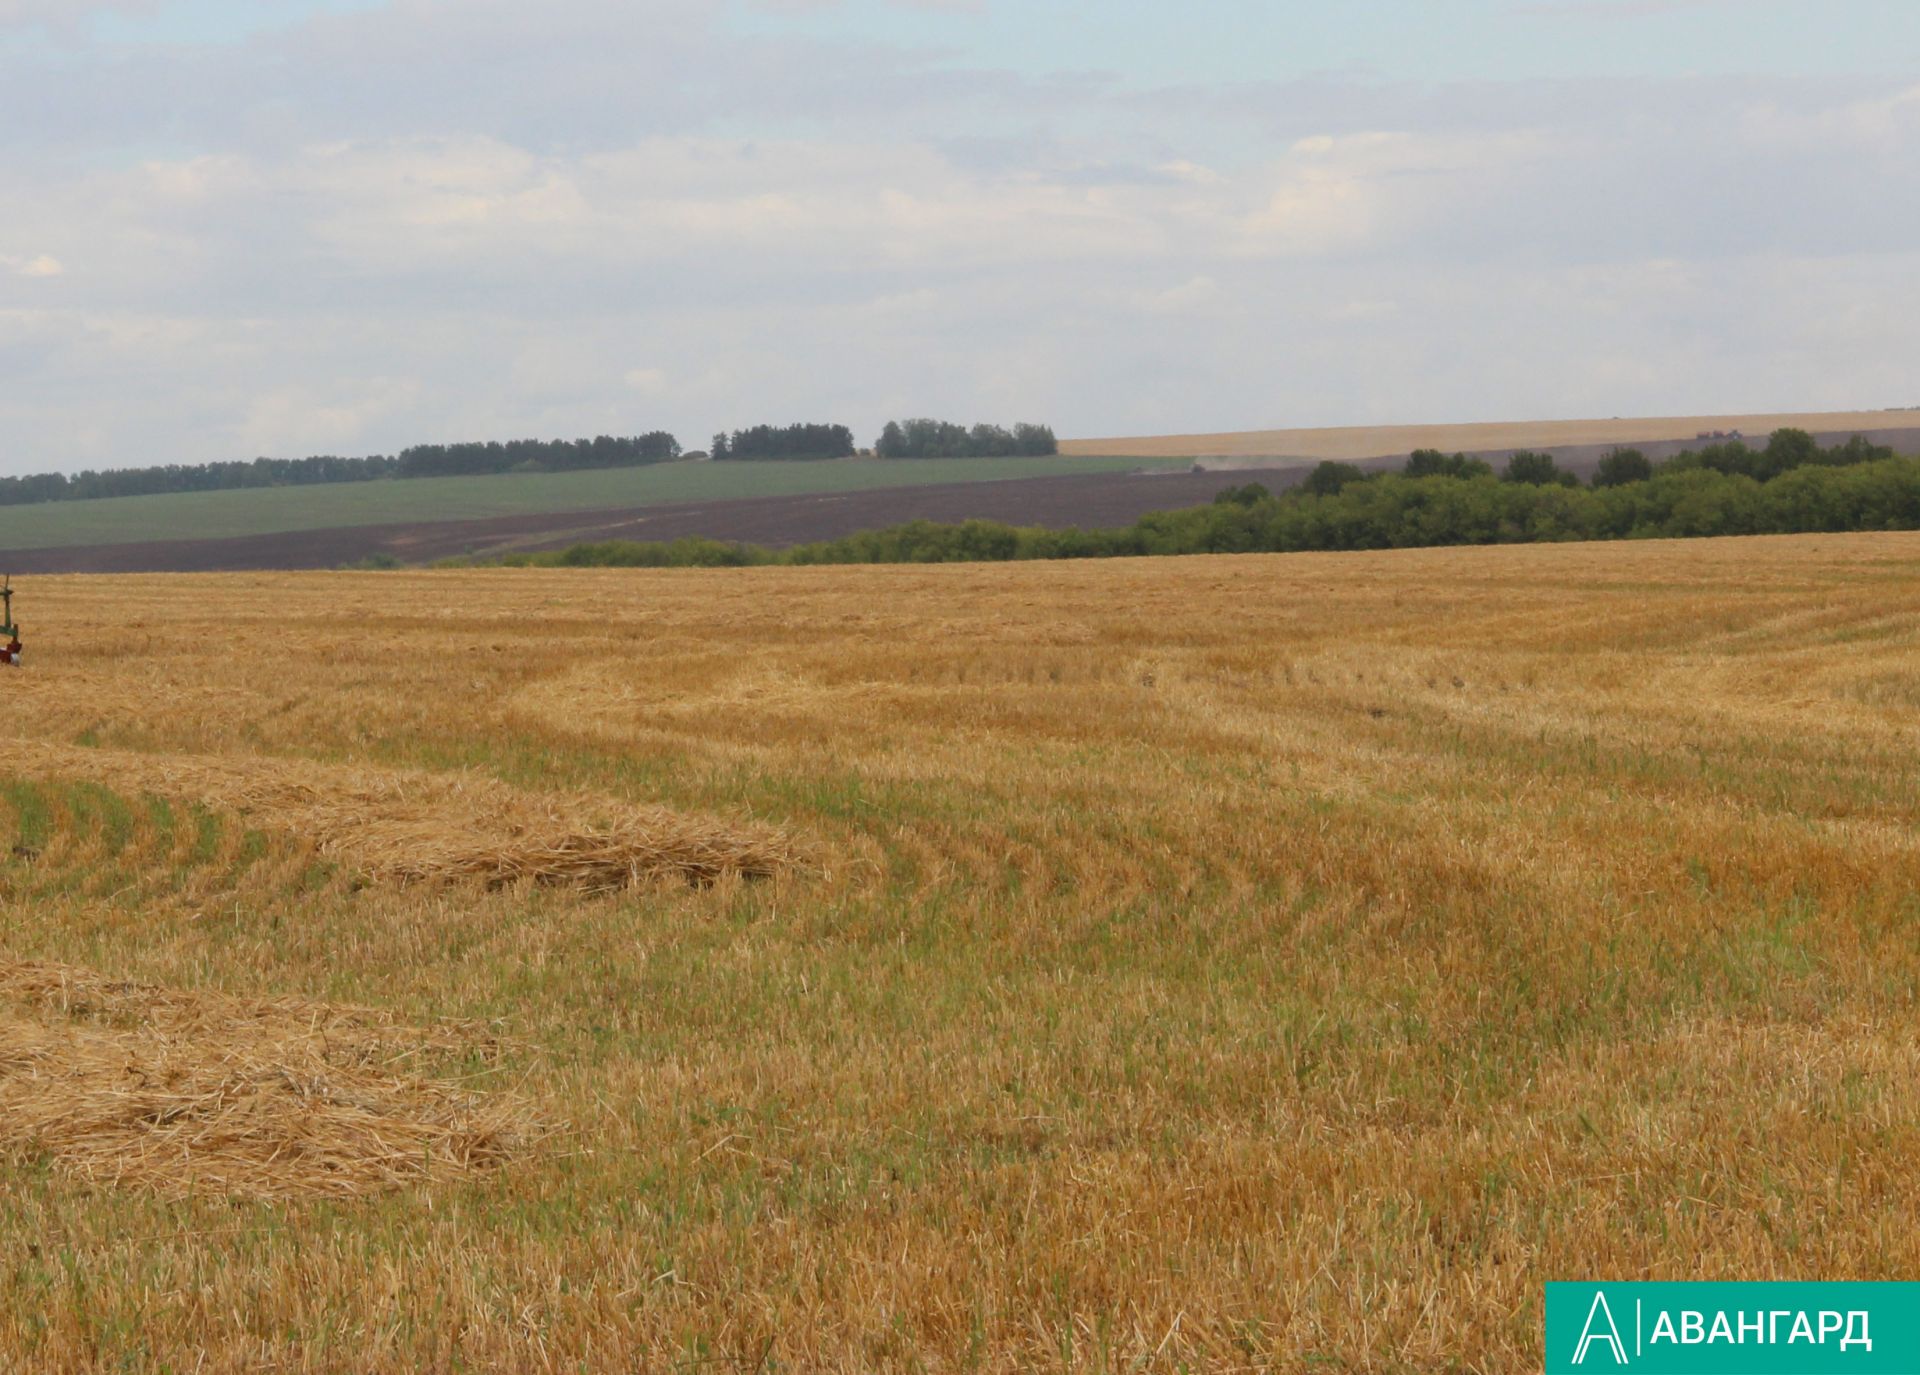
1594	1332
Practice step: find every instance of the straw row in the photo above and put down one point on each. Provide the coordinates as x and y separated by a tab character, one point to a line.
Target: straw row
411	826
186	1093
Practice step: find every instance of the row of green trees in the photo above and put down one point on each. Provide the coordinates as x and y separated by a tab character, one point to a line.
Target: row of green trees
1786	450
911	439
537	455
944	439
1387	511
191	477
423	460
900	439
798	442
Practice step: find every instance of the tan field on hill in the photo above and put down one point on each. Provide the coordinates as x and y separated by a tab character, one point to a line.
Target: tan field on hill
1241	963
1388	441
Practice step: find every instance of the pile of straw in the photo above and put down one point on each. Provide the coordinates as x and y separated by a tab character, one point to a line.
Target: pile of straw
185	1093
432	827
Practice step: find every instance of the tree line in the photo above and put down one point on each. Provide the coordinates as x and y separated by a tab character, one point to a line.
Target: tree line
944	439
900	439
1717	491
1786	450
536	455
776	442
909	439
422	460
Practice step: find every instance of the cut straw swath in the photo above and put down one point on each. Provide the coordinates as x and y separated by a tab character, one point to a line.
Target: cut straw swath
419	827
185	1093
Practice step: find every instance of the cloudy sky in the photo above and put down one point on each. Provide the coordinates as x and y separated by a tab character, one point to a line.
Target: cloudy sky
240	227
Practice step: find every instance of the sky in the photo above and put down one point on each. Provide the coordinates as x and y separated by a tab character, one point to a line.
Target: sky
289	227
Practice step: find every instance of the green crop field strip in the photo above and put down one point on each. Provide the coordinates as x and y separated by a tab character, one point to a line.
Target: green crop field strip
271	510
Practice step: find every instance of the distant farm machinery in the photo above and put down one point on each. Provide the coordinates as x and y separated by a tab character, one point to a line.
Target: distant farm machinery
10	652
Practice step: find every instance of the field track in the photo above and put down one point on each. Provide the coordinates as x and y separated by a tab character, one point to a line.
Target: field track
1259	963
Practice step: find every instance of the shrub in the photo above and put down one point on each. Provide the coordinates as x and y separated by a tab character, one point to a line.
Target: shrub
1536	470
1433	463
1618	467
1331	477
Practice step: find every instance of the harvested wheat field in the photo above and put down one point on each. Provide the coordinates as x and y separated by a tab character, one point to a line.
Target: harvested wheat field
1253	963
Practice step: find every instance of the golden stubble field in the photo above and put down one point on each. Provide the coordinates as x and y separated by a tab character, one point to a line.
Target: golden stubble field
1210	964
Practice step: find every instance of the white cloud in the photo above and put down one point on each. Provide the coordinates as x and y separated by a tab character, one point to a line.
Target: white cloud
1196	295
64	13
1364	309
298	419
39	265
446	220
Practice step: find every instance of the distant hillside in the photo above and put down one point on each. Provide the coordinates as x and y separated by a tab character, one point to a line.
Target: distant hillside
1397	441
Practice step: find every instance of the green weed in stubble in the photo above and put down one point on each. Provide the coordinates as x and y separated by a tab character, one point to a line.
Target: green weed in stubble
32	817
